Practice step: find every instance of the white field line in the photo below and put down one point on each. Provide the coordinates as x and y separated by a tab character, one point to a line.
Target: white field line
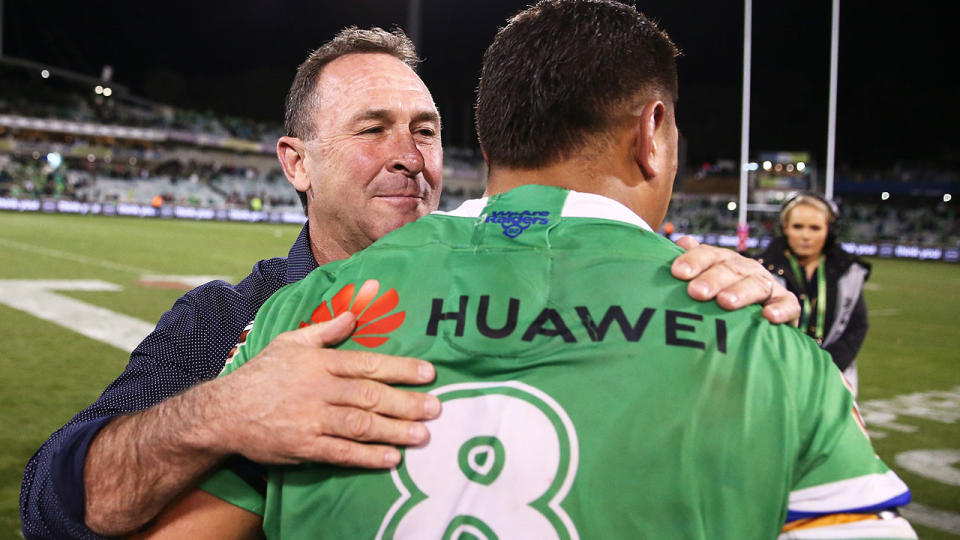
145	273
50	252
932	517
37	298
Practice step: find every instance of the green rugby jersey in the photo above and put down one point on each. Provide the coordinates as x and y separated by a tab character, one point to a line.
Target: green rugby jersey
584	393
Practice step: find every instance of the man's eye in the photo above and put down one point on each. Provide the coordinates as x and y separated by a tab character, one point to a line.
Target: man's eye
372	130
426	132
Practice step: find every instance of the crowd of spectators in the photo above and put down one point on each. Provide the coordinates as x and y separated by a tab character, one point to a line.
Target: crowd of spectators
923	221
24	94
142	172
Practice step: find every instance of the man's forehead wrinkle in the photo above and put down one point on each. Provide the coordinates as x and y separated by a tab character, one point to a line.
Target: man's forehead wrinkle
388	115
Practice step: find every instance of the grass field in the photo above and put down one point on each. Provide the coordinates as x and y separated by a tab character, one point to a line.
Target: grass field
909	373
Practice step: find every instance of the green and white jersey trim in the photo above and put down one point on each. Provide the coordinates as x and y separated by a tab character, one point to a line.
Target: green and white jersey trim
578	205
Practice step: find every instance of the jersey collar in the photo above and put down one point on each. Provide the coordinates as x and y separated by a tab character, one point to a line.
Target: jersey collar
577	204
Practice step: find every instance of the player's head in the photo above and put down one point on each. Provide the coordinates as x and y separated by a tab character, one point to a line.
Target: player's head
808	222
363	139
583	81
562	73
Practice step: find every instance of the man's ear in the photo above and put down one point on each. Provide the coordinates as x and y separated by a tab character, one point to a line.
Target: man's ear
646	147
291	152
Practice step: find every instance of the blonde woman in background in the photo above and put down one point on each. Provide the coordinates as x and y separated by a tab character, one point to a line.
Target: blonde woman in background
828	281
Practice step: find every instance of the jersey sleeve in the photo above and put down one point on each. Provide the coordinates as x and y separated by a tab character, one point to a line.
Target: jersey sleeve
238	481
841	488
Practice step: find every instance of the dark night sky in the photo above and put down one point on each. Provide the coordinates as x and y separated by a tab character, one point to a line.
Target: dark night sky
897	96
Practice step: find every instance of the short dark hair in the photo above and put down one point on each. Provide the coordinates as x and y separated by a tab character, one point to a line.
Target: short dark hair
301	103
301	99
564	69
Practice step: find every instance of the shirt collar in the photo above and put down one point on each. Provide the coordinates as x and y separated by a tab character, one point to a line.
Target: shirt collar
300	260
577	204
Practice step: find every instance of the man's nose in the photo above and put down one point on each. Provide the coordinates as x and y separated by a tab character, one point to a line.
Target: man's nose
407	158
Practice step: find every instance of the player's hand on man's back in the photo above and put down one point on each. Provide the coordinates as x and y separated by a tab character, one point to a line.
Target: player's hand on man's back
734	280
298	401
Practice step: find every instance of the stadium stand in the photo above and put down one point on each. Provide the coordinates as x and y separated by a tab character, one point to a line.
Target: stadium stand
61	141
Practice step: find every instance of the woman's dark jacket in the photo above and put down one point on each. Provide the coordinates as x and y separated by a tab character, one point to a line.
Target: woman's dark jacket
846	320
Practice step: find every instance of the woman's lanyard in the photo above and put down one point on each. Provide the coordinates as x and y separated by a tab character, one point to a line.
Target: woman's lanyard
821	296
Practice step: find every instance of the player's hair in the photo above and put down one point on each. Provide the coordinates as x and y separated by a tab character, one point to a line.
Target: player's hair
562	72
303	100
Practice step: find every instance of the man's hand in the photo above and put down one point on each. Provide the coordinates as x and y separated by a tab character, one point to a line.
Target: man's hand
734	280
297	401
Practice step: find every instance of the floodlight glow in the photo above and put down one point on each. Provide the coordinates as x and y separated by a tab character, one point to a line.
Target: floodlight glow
767	165
947	197
731	206
98	89
801	166
789	167
778	167
107	91
885	195
45	74
91	158
752	166
54	159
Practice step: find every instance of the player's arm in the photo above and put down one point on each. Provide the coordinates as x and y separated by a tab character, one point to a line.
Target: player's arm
734	280
841	488
200	516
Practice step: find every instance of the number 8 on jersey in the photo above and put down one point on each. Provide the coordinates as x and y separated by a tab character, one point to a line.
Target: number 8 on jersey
501	458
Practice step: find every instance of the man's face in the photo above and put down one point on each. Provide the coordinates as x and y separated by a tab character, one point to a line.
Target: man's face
375	162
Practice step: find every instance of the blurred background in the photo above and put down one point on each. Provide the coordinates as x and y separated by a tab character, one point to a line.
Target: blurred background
137	143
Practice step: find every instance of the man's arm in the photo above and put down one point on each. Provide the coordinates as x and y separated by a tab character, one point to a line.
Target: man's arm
293	402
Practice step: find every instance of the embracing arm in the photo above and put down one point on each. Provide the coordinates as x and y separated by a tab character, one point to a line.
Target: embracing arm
293	402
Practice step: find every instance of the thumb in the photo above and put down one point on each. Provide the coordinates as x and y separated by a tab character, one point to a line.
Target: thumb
327	333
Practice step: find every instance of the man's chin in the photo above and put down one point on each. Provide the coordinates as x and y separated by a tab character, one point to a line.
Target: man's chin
403	204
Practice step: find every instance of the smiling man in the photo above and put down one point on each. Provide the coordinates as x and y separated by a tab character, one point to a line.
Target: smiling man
377	124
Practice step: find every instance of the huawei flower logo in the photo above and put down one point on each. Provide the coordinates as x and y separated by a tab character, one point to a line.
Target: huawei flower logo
368	309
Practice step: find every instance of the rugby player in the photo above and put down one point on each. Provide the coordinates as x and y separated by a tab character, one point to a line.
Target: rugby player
584	393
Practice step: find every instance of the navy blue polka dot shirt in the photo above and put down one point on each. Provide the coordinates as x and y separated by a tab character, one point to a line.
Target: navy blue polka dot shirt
189	345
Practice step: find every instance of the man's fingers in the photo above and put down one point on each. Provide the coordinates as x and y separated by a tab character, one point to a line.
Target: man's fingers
382	399
360	425
327	333
346	453
379	367
713	280
698	258
687	242
783	309
752	289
